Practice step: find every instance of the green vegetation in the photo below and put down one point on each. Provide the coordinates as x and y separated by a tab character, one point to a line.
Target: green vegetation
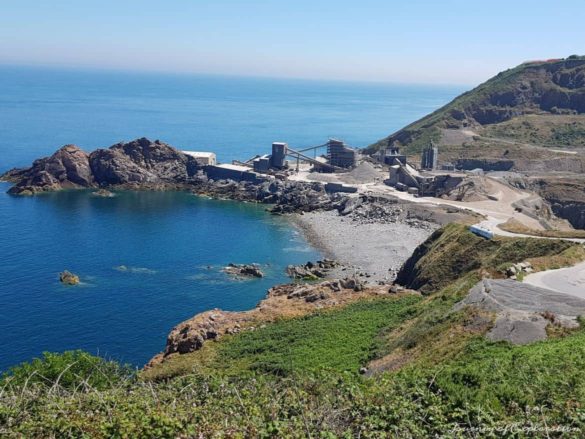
488	386
452	252
342	339
544	130
436	375
499	101
339	339
69	370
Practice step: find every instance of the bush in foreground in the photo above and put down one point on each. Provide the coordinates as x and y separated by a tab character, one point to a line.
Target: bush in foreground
489	390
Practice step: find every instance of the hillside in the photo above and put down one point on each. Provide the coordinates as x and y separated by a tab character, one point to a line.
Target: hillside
536	104
430	371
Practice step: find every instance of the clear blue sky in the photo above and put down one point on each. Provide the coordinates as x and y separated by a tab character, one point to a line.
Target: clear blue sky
448	41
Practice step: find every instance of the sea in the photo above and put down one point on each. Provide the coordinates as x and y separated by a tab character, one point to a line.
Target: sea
149	260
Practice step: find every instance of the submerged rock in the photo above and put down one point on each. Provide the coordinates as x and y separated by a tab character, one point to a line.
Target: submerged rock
104	193
68	278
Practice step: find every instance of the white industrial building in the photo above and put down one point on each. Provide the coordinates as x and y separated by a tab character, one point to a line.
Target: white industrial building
203	158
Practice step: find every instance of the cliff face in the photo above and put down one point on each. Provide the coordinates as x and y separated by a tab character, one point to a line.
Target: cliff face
566	197
138	162
555	87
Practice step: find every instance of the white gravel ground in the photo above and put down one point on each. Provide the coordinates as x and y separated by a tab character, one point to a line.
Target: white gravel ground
378	249
564	280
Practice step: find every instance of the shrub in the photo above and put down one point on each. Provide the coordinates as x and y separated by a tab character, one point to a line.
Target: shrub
68	370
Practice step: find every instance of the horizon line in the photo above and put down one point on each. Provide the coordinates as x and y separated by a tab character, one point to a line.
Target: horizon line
94	68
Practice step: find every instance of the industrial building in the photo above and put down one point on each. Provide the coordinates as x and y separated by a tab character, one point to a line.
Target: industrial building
430	157
339	187
262	163
275	161
391	156
405	177
233	172
278	157
203	158
341	155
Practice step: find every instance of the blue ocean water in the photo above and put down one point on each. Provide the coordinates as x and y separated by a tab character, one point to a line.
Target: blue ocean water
150	260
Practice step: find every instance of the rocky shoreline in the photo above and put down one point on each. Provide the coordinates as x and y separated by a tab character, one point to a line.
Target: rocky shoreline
369	236
367	250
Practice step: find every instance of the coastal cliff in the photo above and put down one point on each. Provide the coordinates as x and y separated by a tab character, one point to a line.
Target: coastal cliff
67	168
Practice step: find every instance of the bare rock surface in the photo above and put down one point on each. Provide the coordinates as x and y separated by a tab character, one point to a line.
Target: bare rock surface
523	311
66	168
284	196
312	270
243	270
68	278
140	162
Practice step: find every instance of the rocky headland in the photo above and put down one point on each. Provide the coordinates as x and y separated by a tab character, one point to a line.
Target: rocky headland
138	164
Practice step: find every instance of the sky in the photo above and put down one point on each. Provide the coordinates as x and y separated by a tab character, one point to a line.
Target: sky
442	41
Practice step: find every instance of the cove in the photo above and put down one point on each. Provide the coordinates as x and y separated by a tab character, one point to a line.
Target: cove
147	261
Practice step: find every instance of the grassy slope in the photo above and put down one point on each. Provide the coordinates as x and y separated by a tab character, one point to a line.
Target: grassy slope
419	133
458	113
487	386
452	252
453	379
543	130
340	339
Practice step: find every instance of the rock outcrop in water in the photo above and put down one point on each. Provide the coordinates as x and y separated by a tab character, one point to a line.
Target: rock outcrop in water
66	168
244	270
68	278
140	163
143	164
